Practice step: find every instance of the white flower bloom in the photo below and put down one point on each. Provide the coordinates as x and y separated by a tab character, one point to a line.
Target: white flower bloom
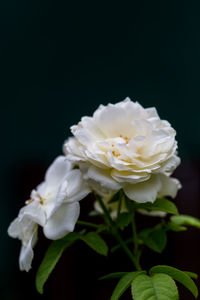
126	146
53	205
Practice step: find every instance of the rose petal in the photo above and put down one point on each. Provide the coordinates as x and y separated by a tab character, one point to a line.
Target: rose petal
57	171
170	186
144	191
26	252
35	212
62	221
103	177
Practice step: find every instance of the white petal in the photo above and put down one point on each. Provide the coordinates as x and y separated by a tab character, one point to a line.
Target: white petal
76	188
74	181
73	189
72	150
62	221
125	176
160	214
104	119
35	212
57	171
26	253
152	112
171	164
103	177
81	194
144	191
13	229
86	131
170	186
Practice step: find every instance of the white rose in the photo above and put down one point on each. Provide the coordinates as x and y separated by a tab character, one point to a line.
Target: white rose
53	205
126	146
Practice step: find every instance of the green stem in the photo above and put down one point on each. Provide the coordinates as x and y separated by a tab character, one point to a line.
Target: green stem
113	249
117	235
119	207
137	251
88	224
135	240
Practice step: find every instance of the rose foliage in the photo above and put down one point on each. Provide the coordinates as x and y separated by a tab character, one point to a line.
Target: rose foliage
125	156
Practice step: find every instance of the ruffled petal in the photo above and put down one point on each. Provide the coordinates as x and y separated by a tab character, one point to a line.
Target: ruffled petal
13	229
146	191
62	221
103	177
171	164
26	252
74	182
35	212
170	186
57	171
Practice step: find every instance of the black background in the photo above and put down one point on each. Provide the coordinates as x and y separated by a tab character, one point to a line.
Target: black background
59	61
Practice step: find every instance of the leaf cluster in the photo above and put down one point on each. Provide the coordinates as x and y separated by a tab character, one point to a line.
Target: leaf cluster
55	250
159	283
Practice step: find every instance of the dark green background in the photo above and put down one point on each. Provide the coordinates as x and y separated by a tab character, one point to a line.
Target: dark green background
60	60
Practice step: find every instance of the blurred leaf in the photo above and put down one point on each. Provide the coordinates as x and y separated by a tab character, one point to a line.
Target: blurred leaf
94	241
156	287
124	219
175	227
154	238
130	204
124	283
51	258
191	274
186	220
178	275
160	205
101	228
116	197
113	275
94	213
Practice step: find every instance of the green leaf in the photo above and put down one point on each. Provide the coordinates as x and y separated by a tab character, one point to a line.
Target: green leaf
157	287
94	241
160	205
113	275
124	219
179	276
175	227
186	220
51	258
124	283
191	274
154	238
94	213
130	204
117	196
101	228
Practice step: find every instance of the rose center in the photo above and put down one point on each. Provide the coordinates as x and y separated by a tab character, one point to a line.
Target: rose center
41	199
127	139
